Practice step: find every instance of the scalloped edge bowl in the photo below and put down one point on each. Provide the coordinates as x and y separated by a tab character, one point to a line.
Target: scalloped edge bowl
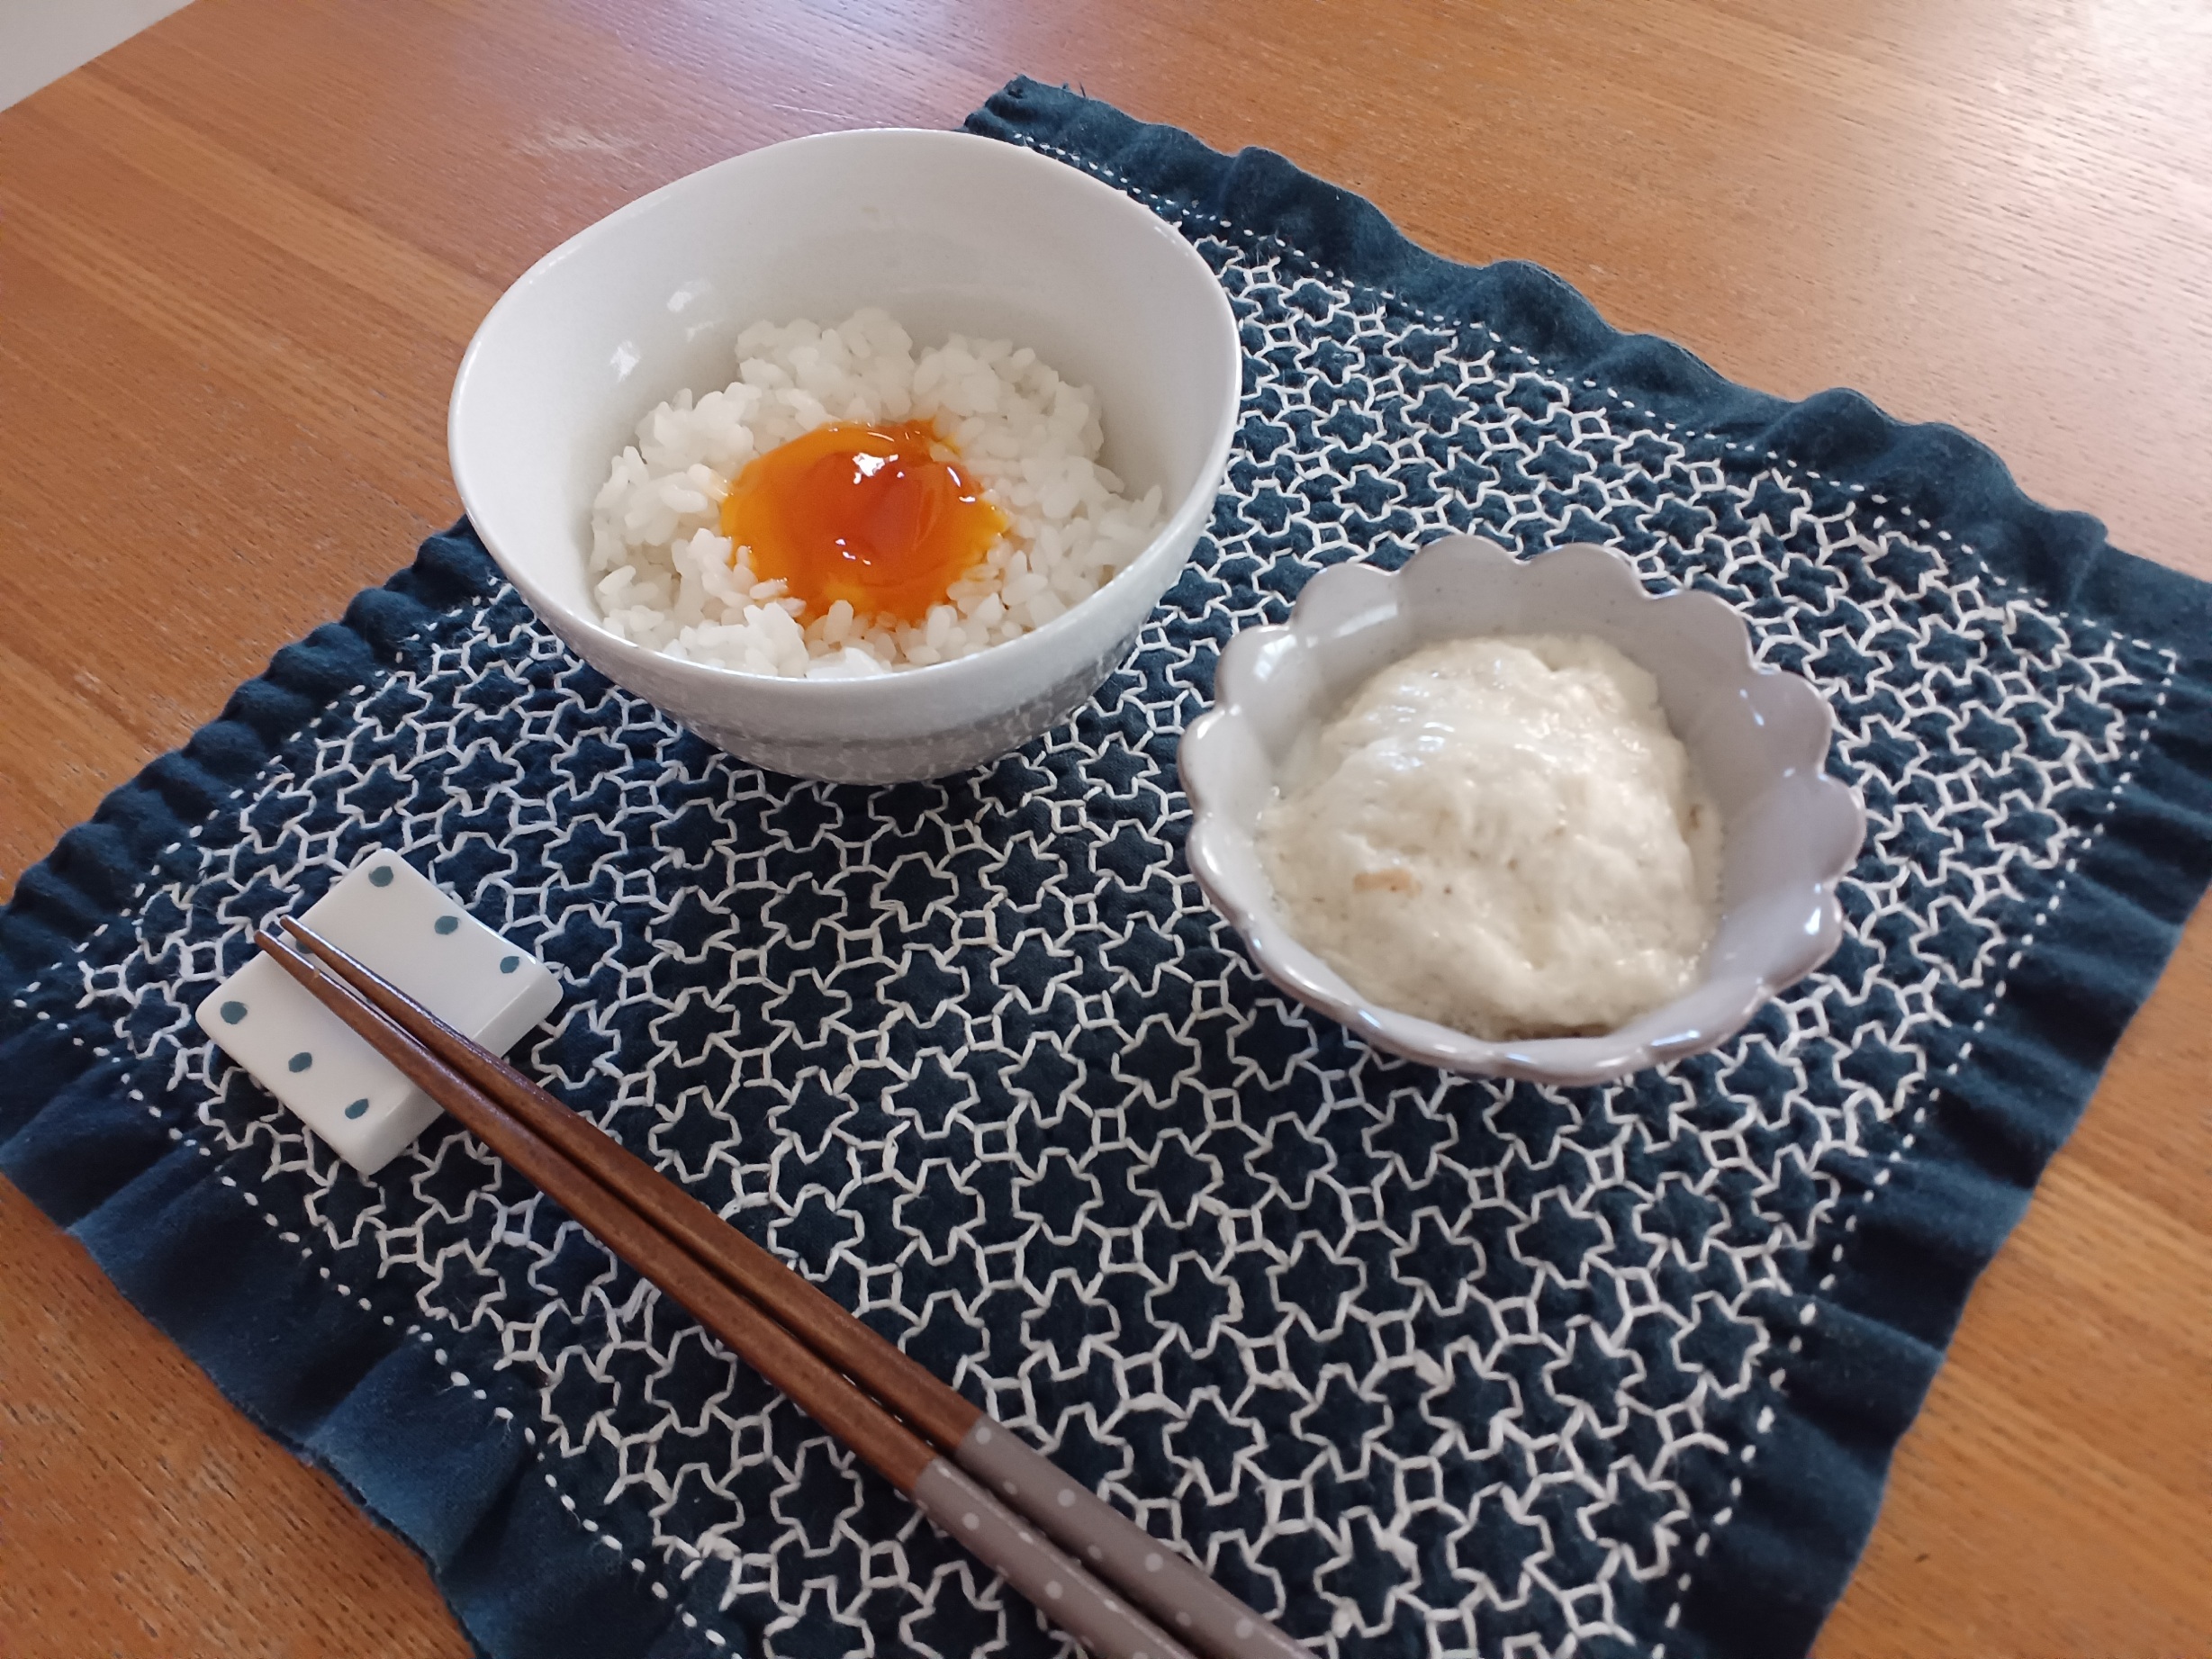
1758	737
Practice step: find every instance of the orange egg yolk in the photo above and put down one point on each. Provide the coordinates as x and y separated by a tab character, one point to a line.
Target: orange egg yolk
861	513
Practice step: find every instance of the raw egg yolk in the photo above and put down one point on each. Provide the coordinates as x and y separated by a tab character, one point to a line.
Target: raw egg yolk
861	513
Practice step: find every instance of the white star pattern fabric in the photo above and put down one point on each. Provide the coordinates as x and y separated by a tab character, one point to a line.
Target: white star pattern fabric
1414	1364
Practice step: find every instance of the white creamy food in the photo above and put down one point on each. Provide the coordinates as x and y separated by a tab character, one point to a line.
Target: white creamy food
1501	835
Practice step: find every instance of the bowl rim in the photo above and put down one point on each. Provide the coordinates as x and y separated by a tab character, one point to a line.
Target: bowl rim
1566	1061
1195	507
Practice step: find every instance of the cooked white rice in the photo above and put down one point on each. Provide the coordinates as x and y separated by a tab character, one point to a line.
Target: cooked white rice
668	578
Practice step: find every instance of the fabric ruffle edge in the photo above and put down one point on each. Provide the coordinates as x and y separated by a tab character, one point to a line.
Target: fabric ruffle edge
89	1142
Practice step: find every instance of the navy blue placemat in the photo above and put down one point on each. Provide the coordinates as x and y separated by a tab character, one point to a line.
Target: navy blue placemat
1425	1366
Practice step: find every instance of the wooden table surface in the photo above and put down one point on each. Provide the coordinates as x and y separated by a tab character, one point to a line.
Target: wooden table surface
241	255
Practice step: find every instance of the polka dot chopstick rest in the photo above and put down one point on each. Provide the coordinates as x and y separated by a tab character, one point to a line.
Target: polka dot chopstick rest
392	918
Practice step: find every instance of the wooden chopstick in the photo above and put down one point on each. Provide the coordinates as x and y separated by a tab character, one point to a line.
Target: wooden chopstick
934	1409
1053	1582
1173	1588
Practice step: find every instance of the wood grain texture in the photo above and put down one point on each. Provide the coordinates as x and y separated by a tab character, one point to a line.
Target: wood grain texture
239	257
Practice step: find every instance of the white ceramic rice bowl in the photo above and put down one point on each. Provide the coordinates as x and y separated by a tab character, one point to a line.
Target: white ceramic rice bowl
1757	738
949	233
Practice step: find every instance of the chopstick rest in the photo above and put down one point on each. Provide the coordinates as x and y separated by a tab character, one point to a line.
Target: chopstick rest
392	917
